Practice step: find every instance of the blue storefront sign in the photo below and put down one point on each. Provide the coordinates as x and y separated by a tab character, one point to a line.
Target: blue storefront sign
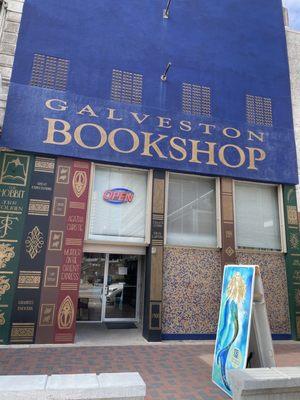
87	83
231	349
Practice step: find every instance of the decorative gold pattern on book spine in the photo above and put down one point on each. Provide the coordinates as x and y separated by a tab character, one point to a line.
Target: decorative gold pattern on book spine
22	332
6	224
29	280
39	207
34	242
292	215
7	253
56	240
47	314
79	183
43	164
4	285
66	314
14	170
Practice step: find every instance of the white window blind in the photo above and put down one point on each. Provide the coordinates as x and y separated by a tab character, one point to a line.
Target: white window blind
123	222
191	217
257	216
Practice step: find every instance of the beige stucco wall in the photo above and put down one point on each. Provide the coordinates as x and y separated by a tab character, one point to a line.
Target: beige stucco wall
293	43
10	18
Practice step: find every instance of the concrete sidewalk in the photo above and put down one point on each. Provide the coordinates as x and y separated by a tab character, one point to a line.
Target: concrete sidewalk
172	371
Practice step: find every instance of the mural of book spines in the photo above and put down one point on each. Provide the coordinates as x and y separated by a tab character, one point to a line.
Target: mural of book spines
54	252
69	279
14	188
33	251
292	257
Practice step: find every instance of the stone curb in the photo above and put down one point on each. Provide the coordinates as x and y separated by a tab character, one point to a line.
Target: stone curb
265	383
129	386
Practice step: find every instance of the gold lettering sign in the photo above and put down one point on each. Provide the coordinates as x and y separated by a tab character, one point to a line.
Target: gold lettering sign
66	314
2	319
79	183
149	144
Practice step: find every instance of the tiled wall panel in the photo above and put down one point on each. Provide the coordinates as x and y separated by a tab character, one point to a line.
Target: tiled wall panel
191	290
192	286
275	286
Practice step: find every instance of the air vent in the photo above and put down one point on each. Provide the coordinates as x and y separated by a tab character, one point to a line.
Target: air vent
196	100
259	110
127	87
50	72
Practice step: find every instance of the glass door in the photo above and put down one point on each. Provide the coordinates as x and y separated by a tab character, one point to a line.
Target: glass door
90	301
109	288
121	288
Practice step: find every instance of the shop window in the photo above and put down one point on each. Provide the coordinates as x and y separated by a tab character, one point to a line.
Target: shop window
196	100
50	72
191	211
119	204
127	87
259	110
257	216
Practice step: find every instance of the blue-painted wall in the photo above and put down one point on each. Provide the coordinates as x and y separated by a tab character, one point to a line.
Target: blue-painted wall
234	47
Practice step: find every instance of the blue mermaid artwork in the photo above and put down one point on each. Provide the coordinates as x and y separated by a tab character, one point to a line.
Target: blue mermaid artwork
234	323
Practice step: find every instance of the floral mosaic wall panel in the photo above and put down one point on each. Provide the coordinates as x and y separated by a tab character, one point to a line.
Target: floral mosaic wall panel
192	286
191	290
275	286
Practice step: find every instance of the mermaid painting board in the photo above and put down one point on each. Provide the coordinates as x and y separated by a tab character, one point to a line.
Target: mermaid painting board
232	342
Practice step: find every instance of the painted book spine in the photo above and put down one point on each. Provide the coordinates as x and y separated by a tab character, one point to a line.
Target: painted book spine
54	253
292	258
33	251
69	278
15	176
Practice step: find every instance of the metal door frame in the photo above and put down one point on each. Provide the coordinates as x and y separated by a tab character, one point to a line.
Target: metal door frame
105	287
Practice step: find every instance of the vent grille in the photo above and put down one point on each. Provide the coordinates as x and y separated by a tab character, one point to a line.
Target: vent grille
259	110
127	87
196	100
50	72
